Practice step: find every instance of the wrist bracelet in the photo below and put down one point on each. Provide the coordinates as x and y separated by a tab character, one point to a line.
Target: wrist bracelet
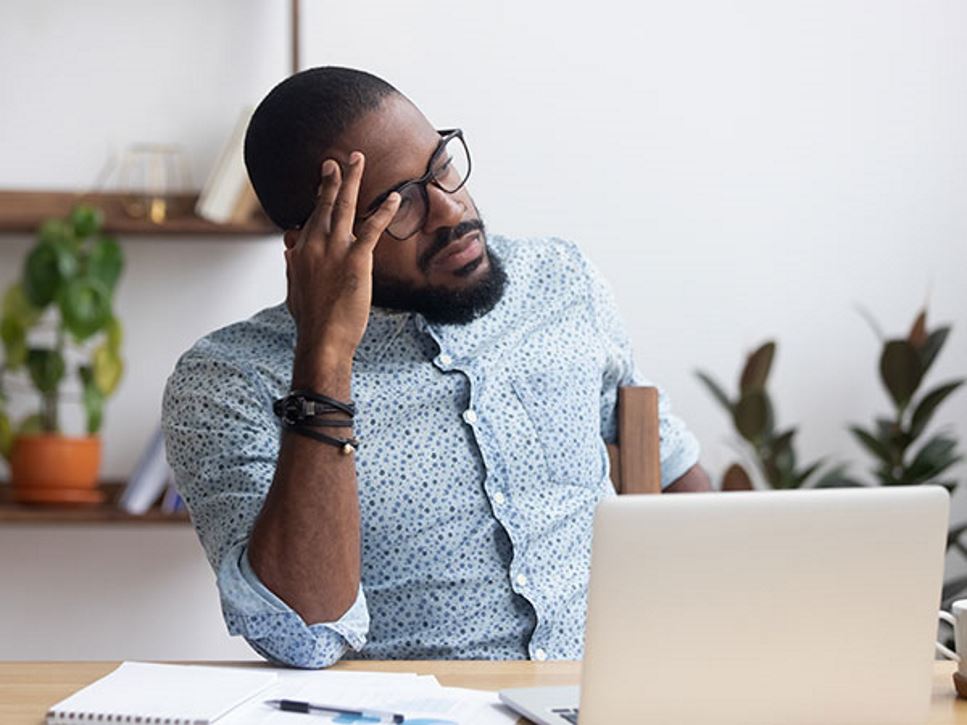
347	445
347	408
301	406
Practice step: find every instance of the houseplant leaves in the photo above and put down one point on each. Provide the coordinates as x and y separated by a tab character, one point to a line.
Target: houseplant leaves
85	306
901	370
46	368
105	261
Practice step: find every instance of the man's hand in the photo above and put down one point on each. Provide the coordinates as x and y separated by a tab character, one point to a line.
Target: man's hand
329	270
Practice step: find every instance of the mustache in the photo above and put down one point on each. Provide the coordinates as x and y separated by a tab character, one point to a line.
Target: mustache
447	235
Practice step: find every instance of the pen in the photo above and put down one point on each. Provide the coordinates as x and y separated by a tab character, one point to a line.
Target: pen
310	707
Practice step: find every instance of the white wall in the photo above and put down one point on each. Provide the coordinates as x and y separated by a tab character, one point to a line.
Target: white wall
739	170
109	593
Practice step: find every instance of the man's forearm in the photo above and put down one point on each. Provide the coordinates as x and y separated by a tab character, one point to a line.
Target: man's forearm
305	546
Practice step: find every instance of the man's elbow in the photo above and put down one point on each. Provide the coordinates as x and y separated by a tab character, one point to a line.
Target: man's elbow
306	655
694	480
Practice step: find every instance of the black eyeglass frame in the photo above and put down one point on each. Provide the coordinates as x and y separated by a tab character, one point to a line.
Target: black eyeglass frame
447	135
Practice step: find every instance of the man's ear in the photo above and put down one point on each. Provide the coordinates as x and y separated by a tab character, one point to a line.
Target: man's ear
290	237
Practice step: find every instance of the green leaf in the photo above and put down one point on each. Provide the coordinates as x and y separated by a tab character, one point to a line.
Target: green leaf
14	337
716	390
784	457
886	477
757	368
901	370
46	368
924	411
836	477
6	435
918	331
85	306
115	335
955	533
106	261
783	442
935	457
107	369
85	220
772	473
805	473
93	407
736	479
751	415
935	342
18	307
42	277
86	374
872	444
56	232
893	437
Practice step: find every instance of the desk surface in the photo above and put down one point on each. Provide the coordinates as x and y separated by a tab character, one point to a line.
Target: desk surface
27	689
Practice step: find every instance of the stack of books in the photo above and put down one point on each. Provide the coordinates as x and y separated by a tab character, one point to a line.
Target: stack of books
228	196
152	480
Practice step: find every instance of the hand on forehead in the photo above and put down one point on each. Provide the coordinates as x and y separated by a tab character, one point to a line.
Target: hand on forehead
397	141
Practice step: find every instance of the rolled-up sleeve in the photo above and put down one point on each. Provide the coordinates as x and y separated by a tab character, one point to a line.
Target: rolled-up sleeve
222	443
678	445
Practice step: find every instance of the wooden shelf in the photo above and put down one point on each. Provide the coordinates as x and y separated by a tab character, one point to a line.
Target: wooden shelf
12	512
24	211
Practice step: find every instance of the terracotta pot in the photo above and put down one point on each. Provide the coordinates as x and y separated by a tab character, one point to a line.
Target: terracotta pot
46	468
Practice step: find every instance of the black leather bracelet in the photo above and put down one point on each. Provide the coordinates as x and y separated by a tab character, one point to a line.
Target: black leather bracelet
347	408
347	445
302	406
317	422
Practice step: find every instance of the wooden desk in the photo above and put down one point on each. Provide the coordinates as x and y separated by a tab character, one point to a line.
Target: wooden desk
27	689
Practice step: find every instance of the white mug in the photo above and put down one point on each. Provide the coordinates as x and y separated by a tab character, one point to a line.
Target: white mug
958	619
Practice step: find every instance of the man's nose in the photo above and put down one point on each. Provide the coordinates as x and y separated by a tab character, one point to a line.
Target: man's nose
443	209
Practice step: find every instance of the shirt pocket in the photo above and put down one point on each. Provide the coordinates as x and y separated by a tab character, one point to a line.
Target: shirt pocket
562	406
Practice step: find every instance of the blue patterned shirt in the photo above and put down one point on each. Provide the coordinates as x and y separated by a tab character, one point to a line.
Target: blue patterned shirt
482	458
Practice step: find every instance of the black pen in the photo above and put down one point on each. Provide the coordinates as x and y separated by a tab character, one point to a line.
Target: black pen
310	707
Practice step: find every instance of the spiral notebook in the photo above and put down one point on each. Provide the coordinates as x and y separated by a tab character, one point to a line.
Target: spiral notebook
140	692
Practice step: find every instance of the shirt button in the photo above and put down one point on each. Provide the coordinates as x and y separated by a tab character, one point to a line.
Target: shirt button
540	654
499	498
445	359
470	415
522	580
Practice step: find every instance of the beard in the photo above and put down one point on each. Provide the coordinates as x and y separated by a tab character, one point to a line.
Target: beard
441	305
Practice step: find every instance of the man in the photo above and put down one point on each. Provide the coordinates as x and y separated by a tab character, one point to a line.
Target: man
483	372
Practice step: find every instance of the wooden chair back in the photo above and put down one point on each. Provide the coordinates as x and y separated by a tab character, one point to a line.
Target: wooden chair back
636	458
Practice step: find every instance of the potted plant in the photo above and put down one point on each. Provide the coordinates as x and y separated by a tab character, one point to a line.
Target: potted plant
57	324
772	451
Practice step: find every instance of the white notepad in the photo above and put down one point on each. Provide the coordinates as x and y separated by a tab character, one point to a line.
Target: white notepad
139	692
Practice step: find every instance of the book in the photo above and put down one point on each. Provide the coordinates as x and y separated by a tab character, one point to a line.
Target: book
155	694
149	478
171	502
227	195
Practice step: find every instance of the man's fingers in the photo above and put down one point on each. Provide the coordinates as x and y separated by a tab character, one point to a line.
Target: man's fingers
371	229
344	207
319	223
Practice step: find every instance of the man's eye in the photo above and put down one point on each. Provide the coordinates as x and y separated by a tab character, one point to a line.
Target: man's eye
445	166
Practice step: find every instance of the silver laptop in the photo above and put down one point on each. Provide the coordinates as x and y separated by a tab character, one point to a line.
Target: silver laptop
758	608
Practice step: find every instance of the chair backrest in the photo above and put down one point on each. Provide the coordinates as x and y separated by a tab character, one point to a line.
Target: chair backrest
636	459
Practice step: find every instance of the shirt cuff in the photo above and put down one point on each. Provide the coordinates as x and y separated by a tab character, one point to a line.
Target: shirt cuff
276	630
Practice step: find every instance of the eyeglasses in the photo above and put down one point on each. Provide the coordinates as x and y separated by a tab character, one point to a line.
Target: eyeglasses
448	171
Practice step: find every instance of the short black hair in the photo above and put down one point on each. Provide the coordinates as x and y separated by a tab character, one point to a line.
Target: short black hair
294	126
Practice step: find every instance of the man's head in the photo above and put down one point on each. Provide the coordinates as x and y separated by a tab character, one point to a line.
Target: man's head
442	269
